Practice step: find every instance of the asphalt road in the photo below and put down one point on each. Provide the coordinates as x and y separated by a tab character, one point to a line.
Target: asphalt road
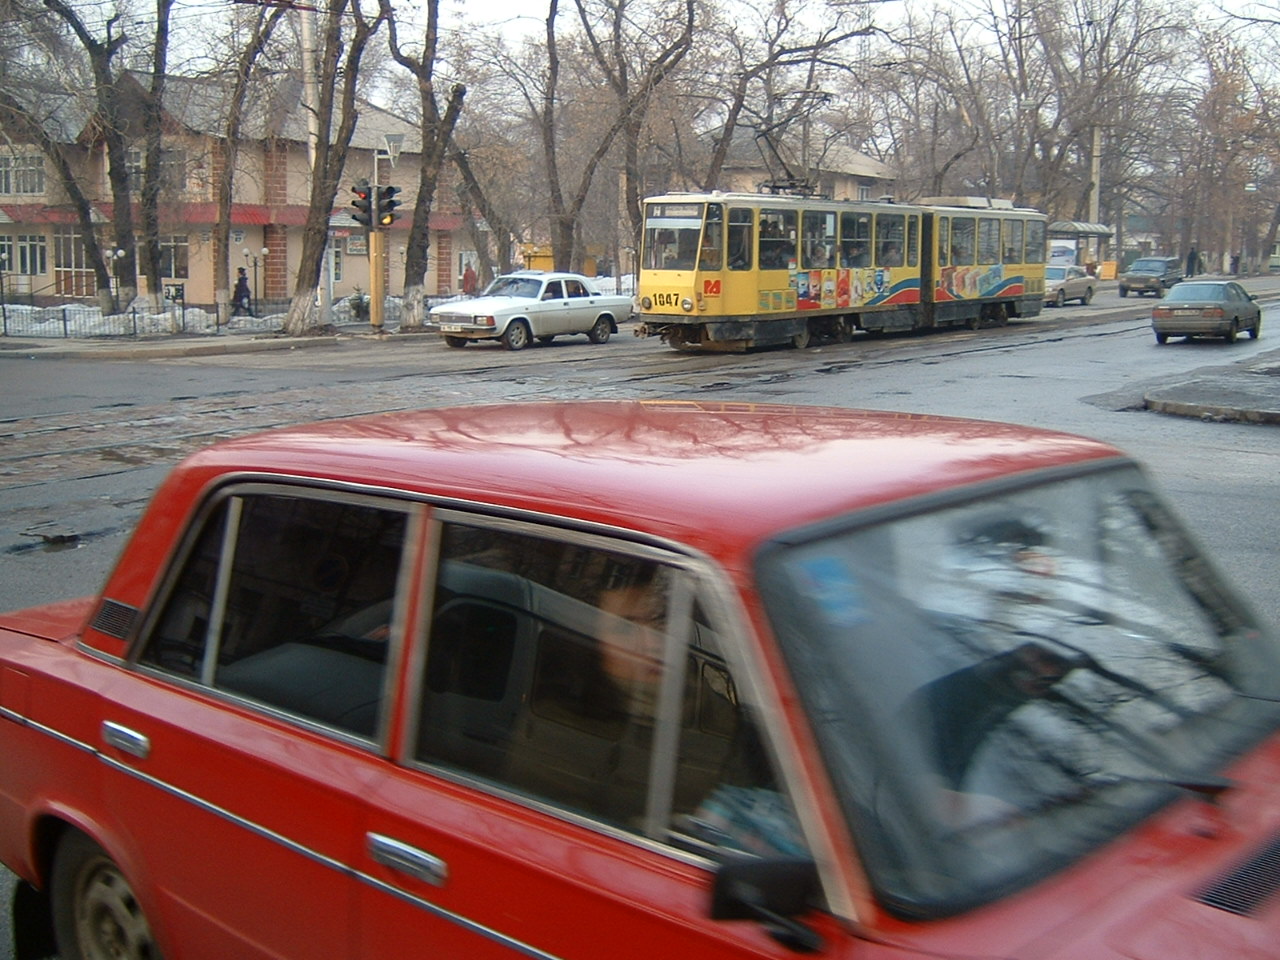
83	442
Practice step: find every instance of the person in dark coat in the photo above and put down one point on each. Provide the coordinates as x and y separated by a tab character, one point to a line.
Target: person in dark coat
240	297
1193	260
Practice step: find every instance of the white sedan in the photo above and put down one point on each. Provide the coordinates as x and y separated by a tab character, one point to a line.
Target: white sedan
533	305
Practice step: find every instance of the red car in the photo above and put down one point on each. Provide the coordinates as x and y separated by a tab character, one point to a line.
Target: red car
637	680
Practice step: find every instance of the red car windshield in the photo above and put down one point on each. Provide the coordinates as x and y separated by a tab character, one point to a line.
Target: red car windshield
1002	685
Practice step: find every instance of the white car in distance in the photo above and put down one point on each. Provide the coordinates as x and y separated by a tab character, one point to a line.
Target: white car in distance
517	308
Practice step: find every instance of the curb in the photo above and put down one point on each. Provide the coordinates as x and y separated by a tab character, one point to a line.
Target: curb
189	348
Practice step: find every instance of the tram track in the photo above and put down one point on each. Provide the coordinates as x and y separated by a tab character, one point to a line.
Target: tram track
118	437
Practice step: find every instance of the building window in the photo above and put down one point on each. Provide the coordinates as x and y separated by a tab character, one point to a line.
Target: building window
173	257
133	166
22	174
73	271
26	254
69	251
173	169
337	262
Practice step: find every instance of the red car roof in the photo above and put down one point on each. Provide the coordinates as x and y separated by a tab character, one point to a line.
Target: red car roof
696	472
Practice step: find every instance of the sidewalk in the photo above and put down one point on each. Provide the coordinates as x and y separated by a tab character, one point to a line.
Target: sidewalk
1246	391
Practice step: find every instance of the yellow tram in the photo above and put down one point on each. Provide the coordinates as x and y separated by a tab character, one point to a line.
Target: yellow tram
730	271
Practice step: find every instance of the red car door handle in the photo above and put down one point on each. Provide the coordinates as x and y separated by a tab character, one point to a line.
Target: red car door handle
122	738
406	859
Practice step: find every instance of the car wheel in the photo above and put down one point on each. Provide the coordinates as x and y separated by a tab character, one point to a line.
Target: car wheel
516	336
600	332
95	913
1060	300
1256	332
1230	335
547	339
1087	298
455	341
1162	338
1124	292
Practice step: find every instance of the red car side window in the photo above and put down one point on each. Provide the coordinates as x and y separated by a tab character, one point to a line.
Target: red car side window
288	601
544	675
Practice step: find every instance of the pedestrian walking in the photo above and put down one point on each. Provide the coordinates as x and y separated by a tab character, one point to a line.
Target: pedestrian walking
241	299
1193	260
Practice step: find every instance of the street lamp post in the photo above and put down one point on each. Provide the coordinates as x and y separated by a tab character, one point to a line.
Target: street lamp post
116	256
4	310
248	256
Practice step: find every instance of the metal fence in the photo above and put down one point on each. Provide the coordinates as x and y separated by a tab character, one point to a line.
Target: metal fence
76	320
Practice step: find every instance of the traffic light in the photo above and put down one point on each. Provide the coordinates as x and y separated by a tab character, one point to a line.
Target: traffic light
386	207
366	204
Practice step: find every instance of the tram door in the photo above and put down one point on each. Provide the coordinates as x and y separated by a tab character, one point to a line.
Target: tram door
928	268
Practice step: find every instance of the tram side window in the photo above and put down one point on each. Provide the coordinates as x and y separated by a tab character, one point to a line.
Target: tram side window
913	241
1035	242
988	240
741	238
855	239
890	236
777	239
711	256
963	241
819	232
1013	241
944	241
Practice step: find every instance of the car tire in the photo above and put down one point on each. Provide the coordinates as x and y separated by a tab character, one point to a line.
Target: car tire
600	332
455	341
516	336
1087	298
1124	291
1162	338
1256	331
95	912
1230	335
1060	300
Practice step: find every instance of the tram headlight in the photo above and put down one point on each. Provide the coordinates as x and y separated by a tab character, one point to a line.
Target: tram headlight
686	305
645	303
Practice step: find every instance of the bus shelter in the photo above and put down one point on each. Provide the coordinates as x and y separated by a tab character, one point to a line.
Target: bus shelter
1078	241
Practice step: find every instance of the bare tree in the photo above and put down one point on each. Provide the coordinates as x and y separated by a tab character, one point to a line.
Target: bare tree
437	131
619	34
261	26
339	57
110	125
153	171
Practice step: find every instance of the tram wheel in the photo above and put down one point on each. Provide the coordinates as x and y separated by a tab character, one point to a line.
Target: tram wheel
801	340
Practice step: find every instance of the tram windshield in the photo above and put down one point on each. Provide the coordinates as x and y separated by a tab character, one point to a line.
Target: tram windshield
671	232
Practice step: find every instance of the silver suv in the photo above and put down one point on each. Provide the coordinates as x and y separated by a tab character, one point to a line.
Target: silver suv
1151	275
